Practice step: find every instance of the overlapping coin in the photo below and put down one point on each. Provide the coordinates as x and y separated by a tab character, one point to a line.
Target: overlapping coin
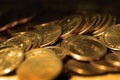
111	37
10	58
82	47
42	64
50	33
70	24
19	41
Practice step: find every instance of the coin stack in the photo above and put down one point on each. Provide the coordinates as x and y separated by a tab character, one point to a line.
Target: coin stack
78	44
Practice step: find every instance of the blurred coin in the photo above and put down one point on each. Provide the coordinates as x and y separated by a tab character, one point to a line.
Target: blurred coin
90	20
9	77
100	25
10	58
46	67
19	41
70	24
12	18
82	68
113	59
33	36
111	37
61	52
50	33
105	26
83	47
39	52
103	65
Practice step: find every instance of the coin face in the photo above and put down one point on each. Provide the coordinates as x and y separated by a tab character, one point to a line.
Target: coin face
70	24
82	47
39	52
82	68
113	59
111	37
46	67
49	32
61	53
10	58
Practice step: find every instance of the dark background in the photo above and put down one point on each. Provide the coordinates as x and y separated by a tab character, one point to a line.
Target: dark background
63	5
54	7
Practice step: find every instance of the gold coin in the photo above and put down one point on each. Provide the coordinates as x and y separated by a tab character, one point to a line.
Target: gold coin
103	65
83	47
113	59
111	37
59	51
10	58
103	20
46	67
105	26
70	24
19	41
50	33
33	36
39	52
82	68
90	20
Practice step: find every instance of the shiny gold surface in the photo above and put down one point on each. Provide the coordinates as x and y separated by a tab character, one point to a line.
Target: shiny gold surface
8	63
49	32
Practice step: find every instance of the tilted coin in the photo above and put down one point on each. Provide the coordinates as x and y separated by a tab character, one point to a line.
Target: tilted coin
88	25
113	59
50	33
82	68
33	36
104	26
61	52
19	41
111	37
83	47
103	20
38	52
10	58
46	67
70	24
103	65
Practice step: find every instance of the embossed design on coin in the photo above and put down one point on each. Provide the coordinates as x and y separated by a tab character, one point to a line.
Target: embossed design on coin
111	37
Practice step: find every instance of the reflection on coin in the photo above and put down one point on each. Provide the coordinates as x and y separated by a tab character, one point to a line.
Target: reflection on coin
9	77
89	22
34	37
103	65
39	52
107	24
50	33
113	59
46	67
111	37
19	41
61	53
82	68
103	20
70	24
10	58
82	47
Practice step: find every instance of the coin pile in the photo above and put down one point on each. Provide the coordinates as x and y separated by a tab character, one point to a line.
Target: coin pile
82	44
